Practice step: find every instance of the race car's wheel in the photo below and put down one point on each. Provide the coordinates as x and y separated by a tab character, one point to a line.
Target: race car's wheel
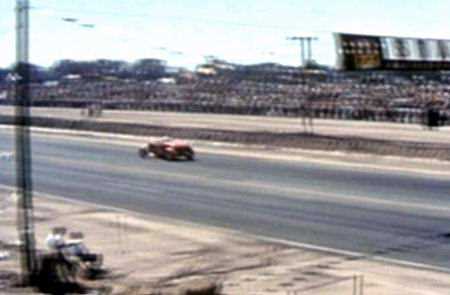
190	156
143	153
170	157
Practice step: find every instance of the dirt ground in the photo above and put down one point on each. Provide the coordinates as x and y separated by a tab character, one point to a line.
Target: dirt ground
328	127
146	254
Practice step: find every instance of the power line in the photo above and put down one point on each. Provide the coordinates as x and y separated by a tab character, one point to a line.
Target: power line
179	18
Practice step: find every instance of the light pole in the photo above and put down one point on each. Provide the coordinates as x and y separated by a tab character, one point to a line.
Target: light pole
22	146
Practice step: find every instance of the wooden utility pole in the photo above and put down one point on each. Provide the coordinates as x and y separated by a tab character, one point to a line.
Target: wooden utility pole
306	53
22	145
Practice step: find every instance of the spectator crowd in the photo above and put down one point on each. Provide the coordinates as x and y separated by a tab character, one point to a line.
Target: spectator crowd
363	96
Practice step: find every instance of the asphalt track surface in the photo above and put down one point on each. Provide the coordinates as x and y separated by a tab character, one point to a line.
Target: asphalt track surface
395	215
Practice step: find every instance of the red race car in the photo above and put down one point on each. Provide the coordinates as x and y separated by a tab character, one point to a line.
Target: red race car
169	149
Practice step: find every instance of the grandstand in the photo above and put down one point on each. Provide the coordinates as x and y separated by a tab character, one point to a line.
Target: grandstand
222	87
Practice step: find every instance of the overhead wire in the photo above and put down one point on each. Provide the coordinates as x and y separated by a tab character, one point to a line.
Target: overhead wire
180	18
174	53
171	51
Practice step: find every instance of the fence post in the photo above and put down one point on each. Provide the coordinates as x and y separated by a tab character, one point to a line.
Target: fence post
361	285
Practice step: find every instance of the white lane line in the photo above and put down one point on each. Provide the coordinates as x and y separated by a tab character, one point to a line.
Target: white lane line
366	256
341	163
353	254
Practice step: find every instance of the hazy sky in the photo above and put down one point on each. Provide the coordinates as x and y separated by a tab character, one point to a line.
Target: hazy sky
184	31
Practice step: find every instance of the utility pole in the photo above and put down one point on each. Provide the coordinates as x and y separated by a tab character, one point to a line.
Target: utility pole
305	47
22	146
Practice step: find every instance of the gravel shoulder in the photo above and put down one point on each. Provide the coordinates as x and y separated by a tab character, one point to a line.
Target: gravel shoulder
145	253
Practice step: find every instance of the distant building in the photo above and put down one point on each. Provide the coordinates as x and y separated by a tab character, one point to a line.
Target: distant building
149	68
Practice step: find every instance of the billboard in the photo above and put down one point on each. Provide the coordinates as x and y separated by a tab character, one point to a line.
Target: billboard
363	52
360	52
